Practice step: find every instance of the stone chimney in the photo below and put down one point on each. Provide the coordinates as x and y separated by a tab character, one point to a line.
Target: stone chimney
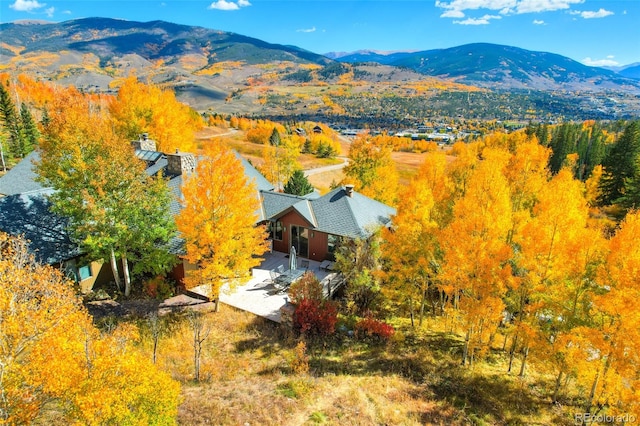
348	189
144	143
181	163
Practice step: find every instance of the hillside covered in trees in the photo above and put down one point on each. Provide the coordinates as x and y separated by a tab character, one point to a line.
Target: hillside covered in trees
504	292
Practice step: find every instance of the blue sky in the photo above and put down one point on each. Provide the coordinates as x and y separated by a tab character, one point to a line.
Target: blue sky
595	32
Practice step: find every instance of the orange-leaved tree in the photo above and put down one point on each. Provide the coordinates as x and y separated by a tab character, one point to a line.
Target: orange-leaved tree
218	221
147	108
54	360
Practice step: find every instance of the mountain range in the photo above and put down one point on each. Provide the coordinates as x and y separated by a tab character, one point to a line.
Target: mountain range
491	63
208	66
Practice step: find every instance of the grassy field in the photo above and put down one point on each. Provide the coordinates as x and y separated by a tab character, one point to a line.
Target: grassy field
247	366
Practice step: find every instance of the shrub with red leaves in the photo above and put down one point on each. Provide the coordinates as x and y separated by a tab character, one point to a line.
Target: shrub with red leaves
315	317
370	327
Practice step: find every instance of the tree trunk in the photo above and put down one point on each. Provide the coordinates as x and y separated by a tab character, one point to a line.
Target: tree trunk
525	354
465	349
216	304
413	325
127	278
504	342
592	393
114	269
4	166
512	352
556	391
422	302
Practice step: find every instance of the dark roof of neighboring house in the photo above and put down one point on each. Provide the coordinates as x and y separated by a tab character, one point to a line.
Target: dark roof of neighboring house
334	213
22	177
28	215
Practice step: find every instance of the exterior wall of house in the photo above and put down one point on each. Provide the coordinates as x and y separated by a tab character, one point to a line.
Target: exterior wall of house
317	240
99	273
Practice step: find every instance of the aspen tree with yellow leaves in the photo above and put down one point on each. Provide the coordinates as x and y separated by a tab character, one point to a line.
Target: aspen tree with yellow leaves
52	358
372	170
475	267
218	222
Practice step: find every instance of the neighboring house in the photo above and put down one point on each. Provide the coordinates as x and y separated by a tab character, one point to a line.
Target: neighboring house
25	210
314	226
28	214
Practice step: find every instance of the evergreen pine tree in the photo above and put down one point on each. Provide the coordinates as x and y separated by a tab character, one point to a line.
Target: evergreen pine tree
298	184
620	165
630	200
30	133
10	122
274	139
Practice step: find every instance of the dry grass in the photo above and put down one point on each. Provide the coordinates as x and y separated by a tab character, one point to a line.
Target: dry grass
415	379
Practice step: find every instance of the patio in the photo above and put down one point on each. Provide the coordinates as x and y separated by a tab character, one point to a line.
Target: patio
261	297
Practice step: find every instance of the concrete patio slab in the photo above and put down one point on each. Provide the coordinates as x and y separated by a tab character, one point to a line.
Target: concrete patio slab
259	295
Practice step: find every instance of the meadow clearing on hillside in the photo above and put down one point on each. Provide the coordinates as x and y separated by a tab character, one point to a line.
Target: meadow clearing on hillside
250	375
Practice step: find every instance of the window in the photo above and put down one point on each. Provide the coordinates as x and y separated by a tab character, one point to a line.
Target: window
84	272
275	230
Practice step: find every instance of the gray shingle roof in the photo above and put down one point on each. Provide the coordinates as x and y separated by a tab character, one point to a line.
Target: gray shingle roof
28	214
334	213
22	177
254	175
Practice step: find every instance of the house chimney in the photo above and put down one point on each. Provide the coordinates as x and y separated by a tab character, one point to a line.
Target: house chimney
348	189
144	143
180	163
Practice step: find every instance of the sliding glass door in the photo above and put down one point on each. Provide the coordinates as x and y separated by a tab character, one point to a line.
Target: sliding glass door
300	240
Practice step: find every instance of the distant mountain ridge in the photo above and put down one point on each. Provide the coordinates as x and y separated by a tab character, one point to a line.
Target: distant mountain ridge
235	74
485	63
381	57
151	40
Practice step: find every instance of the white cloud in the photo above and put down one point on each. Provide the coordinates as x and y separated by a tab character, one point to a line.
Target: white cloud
607	62
26	5
49	11
599	14
229	5
537	6
224	5
67	12
452	14
538	22
306	30
454	8
478	21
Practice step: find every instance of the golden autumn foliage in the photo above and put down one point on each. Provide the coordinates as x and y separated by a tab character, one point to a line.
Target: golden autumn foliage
515	252
147	108
52	357
218	221
372	170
